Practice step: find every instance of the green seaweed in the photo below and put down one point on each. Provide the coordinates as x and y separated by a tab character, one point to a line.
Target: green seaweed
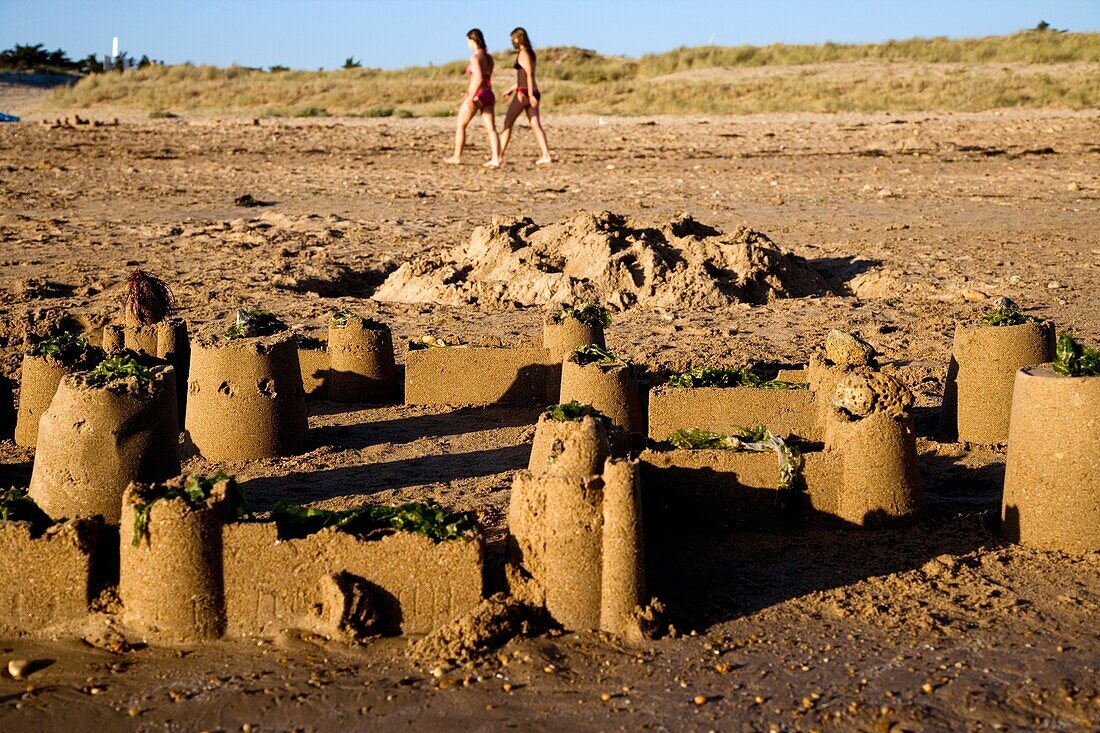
593	354
1072	359
341	317
16	506
428	520
119	366
254	322
1006	313
592	314
756	439
196	490
741	377
66	347
572	411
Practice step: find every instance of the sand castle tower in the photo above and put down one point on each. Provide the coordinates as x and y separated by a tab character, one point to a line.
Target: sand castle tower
147	328
170	558
870	429
45	363
599	378
246	399
1052	477
103	431
556	425
570	328
361	360
977	396
576	543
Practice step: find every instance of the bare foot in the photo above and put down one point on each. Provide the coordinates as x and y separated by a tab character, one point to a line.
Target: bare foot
491	164
544	160
453	160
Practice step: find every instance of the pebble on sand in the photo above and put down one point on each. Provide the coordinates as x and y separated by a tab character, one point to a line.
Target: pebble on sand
17	668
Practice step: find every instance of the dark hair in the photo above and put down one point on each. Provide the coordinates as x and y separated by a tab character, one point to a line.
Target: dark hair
521	40
475	35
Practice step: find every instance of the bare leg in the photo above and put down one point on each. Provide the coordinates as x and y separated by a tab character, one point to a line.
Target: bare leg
514	108
540	135
465	114
494	140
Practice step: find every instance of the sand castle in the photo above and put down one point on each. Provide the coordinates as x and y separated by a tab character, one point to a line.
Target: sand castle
45	363
596	377
977	398
361	362
576	545
167	340
1052	490
245	397
478	375
103	430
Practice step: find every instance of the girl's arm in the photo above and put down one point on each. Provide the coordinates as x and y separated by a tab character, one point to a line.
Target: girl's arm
510	91
476	77
529	70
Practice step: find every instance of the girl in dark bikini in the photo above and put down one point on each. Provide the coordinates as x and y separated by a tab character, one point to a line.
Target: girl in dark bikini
526	97
479	98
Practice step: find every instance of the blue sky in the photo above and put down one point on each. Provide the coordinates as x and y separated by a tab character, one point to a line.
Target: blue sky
310	34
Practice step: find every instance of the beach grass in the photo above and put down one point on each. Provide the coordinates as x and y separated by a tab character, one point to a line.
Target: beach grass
1028	69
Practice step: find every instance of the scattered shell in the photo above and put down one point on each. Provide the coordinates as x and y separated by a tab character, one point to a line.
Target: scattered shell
17	668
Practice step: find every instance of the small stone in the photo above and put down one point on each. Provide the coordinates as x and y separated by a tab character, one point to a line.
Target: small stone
549	669
133	712
17	668
605	696
927	688
1073	186
973	296
700	699
507	687
1054	285
847	349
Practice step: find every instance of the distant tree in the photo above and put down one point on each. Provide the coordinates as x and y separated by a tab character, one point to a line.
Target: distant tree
26	57
351	63
144	61
91	65
276	68
1042	26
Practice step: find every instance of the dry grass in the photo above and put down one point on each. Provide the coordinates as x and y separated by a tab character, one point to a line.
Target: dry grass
1030	69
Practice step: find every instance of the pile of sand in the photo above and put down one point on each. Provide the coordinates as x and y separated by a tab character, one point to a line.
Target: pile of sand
606	258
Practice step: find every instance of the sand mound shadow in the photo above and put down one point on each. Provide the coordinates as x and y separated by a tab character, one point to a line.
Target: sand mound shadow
608	258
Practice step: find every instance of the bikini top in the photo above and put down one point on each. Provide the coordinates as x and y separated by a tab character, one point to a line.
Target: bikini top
486	80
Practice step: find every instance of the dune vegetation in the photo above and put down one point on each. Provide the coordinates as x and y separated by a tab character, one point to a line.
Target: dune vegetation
1028	69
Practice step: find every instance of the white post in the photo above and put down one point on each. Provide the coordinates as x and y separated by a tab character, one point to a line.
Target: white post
114	48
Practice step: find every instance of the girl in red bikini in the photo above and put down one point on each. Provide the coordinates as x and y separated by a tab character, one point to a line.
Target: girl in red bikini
527	97
479	98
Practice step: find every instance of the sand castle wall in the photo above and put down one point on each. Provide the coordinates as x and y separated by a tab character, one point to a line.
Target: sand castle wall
880	484
479	376
977	398
610	388
415	584
1052	477
46	580
560	339
733	488
245	398
573	554
170	582
587	456
728	409
93	441
361	362
37	385
314	364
